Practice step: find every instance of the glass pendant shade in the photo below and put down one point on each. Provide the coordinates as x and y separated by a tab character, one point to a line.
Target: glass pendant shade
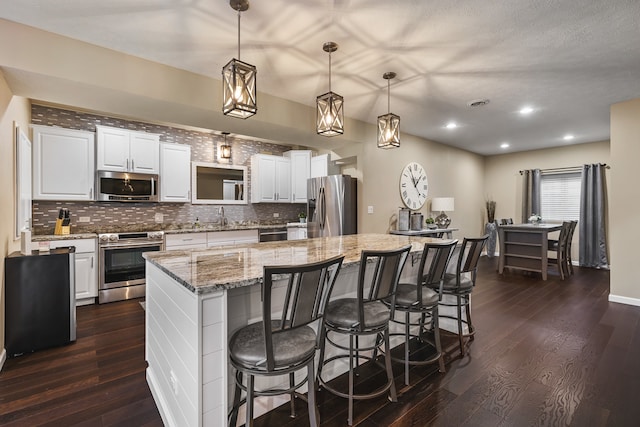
239	89
389	131
388	124
330	106
329	114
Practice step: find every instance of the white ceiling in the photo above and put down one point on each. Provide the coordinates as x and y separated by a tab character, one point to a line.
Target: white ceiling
568	60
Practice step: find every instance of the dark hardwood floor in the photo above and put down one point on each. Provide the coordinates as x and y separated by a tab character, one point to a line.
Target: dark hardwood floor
552	353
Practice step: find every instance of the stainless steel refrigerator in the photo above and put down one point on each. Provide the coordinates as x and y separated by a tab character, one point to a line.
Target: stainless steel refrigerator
331	206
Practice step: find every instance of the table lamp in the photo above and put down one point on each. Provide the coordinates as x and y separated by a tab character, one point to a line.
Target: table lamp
442	204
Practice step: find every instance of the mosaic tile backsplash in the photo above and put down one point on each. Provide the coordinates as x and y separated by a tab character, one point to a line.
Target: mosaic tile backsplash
114	217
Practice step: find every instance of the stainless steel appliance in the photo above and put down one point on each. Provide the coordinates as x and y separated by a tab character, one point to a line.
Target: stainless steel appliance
272	234
127	187
331	206
122	267
40	295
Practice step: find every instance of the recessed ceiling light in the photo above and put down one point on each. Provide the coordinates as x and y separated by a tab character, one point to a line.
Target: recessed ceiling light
504	145
451	125
568	137
478	103
526	110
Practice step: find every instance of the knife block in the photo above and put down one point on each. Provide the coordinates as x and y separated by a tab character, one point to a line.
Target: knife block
58	229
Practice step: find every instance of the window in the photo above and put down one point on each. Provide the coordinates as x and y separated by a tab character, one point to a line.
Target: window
560	196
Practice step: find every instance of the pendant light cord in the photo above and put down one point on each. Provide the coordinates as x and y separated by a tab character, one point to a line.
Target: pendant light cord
388	95
238	33
329	71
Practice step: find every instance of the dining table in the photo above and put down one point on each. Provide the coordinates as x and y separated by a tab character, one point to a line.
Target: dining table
525	247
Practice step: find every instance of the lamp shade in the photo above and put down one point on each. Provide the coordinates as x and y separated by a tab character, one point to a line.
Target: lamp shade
443	204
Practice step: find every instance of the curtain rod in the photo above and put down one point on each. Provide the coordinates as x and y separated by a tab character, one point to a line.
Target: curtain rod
567	169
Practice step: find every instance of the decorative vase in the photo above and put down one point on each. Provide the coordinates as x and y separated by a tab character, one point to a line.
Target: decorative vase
491	229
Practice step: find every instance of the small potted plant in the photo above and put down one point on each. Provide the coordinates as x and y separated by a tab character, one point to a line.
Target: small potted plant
302	217
431	224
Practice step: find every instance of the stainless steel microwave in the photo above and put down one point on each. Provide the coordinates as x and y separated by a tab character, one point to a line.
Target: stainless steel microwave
127	187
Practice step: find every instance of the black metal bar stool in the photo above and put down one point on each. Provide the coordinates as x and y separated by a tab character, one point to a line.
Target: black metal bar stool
422	297
364	316
461	283
288	343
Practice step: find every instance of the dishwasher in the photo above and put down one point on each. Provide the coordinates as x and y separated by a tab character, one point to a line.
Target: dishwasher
272	234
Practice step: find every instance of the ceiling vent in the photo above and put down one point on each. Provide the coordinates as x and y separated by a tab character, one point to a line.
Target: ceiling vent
478	103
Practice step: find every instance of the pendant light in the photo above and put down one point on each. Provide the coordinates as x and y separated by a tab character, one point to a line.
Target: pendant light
329	112
239	79
225	149
389	124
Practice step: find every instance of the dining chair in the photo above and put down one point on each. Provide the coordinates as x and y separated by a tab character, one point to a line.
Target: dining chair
560	247
422	298
460	284
361	317
285	343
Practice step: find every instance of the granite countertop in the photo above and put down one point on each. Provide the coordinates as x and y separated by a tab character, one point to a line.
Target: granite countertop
77	236
216	227
204	271
297	225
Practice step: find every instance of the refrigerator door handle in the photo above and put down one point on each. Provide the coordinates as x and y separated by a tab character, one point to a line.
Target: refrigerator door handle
322	208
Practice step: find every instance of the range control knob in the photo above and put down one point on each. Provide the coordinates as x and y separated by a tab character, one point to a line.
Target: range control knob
113	237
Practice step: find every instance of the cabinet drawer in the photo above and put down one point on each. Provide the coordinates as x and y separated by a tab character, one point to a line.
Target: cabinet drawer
191	239
216	238
81	245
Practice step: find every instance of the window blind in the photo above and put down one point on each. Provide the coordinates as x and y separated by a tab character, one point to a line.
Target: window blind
560	196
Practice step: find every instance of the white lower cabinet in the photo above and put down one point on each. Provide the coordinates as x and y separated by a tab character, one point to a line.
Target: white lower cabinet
209	239
296	233
221	238
86	267
197	240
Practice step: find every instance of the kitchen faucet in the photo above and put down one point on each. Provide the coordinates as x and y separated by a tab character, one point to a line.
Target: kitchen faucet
223	220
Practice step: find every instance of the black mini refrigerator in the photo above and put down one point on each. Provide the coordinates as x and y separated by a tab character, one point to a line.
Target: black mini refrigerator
40	300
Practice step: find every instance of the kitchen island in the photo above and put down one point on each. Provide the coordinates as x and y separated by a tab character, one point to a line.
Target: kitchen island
197	298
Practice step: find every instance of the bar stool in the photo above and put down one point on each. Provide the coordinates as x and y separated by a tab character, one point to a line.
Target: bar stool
461	283
283	345
419	298
364	316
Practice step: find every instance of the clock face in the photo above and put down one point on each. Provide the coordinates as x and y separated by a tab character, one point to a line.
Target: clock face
413	186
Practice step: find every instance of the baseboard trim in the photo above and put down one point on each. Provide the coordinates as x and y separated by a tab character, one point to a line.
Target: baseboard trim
158	397
624	300
3	358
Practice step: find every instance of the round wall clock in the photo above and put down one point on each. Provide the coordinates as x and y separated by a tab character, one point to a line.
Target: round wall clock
413	185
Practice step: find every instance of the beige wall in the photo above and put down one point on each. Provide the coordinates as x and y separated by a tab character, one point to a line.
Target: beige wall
451	172
503	182
12	108
624	199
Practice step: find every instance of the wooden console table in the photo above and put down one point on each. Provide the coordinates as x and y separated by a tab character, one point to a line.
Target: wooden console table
525	246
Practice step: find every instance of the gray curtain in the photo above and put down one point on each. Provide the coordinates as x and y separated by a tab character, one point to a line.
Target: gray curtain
530	193
593	242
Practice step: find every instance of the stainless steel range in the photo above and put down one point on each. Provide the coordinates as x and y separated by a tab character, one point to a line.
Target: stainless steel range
122	267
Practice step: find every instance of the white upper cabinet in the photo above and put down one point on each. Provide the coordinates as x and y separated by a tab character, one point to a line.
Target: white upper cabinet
63	164
120	150
300	172
175	172
270	179
319	166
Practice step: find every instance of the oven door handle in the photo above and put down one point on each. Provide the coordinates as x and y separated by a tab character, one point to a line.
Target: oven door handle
129	245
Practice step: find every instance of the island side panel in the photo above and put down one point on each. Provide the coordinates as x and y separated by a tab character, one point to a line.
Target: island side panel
173	349
214	358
